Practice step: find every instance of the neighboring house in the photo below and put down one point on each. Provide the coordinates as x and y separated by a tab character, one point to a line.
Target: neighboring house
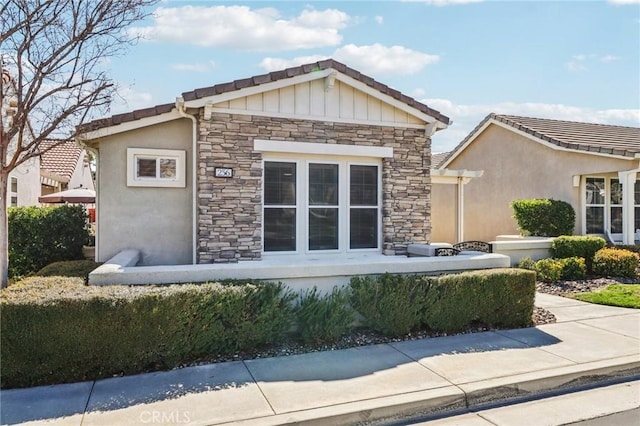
313	159
591	166
65	166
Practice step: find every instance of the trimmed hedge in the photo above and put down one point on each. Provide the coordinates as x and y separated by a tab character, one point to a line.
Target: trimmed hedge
570	268
39	236
615	262
544	217
57	330
584	246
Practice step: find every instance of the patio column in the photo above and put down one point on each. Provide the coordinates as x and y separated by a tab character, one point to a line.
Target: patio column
628	180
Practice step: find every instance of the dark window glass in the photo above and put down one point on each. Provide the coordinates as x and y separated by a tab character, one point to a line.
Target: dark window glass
636	192
363	228
14	201
279	183
595	191
616	220
147	167
279	229
323	184
595	220
363	186
323	229
636	211
168	168
616	192
14	184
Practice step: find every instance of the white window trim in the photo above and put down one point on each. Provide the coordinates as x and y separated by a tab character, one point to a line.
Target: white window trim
179	181
312	148
344	206
13	194
607	205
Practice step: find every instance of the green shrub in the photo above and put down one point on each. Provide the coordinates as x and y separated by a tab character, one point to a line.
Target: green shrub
573	268
324	318
527	263
496	298
544	217
584	246
631	247
39	236
390	304
56	329
69	268
549	270
615	262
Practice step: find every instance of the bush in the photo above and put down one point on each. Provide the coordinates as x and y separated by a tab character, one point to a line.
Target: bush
390	304
324	318
69	268
496	297
584	246
39	236
56	330
527	263
548	270
544	217
573	268
615	262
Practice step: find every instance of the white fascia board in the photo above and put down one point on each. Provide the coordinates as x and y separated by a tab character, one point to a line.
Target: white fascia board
447	176
390	100
262	145
248	91
314	118
131	125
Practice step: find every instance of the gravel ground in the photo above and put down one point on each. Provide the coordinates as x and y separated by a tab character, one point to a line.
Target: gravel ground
363	337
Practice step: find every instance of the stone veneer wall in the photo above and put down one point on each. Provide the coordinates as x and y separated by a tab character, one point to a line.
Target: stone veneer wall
230	210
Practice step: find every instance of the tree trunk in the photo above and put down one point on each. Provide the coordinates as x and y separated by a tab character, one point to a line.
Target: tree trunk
4	231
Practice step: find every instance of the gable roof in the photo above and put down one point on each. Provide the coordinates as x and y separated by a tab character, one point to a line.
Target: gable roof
60	160
255	81
598	139
437	158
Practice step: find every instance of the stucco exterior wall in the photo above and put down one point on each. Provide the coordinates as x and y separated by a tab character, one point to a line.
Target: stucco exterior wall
156	221
81	174
230	210
515	167
444	213
28	176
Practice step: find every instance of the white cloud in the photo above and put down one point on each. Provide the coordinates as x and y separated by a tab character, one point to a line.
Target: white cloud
466	117
373	59
243	28
609	58
197	67
379	19
624	2
579	62
446	2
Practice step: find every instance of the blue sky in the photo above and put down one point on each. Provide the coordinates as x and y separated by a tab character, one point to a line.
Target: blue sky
568	60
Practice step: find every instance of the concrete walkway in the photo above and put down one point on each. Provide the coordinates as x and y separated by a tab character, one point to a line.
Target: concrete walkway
589	343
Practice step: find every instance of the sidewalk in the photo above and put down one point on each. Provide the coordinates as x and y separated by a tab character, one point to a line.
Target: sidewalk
588	343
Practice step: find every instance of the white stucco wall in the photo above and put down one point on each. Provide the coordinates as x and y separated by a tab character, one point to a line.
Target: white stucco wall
515	167
81	174
28	175
155	221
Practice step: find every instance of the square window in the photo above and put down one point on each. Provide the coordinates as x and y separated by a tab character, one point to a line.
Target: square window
156	168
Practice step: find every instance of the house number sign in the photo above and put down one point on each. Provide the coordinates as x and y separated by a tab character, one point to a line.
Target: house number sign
223	172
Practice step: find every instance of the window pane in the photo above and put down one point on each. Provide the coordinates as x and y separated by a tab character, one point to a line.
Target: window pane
168	168
14	201
146	167
364	186
323	184
323	229
363	228
279	229
595	220
636	212
279	183
616	192
636	192
595	191
14	184
616	220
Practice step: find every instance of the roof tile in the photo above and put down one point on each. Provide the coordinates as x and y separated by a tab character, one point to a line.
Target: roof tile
60	159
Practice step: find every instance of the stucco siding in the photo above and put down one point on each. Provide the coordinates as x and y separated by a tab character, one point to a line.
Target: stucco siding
516	167
156	221
28	179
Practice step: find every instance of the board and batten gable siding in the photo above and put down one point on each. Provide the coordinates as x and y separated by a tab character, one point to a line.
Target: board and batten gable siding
312	99
155	220
515	167
230	210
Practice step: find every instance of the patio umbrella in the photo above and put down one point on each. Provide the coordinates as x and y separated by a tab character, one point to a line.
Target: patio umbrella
79	195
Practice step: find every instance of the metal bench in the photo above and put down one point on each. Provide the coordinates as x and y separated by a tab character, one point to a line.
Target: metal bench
447	251
474	246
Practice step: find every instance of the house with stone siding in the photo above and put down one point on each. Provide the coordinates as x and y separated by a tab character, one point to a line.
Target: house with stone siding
311	160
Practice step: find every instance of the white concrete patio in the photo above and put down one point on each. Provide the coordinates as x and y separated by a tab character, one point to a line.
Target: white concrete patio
298	272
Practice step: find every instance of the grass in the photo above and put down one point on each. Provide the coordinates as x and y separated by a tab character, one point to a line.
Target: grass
623	295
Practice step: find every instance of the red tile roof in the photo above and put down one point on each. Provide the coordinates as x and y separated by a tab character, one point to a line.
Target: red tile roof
583	137
61	159
263	79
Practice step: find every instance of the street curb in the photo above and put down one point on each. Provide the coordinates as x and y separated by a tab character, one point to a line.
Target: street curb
451	400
